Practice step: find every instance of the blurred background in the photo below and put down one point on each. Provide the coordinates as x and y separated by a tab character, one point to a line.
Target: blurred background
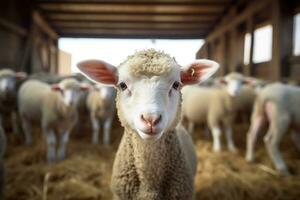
257	38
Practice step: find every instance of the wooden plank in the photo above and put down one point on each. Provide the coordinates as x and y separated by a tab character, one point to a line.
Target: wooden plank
139	25
12	27
250	10
131	18
42	23
131	33
142	1
131	8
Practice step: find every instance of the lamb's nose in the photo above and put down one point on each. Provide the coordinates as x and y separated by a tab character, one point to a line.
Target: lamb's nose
151	120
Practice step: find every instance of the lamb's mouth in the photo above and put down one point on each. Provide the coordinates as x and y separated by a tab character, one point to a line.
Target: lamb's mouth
150	135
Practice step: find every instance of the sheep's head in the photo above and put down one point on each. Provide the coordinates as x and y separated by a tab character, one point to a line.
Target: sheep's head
9	81
234	81
70	89
148	85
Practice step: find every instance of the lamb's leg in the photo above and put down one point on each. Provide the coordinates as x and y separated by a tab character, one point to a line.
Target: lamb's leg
15	122
1	125
27	131
230	144
272	140
216	133
51	146
252	137
96	128
190	127
64	138
296	139
107	130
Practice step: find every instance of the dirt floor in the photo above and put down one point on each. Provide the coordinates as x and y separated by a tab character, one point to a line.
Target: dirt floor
85	175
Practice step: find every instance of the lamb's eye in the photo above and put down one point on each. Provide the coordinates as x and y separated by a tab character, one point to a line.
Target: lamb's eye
123	86
176	85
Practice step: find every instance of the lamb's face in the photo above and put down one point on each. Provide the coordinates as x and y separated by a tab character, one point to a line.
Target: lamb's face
70	91
149	84
149	103
233	83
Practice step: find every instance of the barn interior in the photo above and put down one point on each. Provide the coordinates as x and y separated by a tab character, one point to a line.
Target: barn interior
29	35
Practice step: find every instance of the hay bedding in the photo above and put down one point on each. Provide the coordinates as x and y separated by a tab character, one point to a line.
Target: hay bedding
85	175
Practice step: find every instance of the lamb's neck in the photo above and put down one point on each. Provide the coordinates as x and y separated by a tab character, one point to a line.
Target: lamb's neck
151	157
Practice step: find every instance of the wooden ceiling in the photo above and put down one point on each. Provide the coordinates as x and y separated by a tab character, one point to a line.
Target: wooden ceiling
179	19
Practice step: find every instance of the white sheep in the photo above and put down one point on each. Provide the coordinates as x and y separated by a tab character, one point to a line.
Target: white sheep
51	107
213	107
276	104
101	105
9	84
2	169
155	160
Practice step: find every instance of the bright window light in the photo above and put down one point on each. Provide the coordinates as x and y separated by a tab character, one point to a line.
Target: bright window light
262	50
247	45
115	51
297	34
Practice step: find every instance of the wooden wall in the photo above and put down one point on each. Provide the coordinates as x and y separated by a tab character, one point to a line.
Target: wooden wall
225	43
27	42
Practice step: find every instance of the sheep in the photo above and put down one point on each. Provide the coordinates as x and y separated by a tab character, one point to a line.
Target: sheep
2	170
155	160
51	107
214	107
244	101
9	84
101	107
277	105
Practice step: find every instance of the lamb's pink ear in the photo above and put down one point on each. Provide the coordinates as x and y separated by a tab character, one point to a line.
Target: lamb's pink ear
198	71
56	87
21	75
249	81
99	71
85	87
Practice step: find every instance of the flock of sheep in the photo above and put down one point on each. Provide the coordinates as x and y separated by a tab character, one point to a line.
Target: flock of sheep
155	99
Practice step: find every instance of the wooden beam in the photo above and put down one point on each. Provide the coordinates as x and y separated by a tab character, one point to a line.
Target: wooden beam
242	17
42	23
131	33
142	1
131	18
138	25
131	8
12	27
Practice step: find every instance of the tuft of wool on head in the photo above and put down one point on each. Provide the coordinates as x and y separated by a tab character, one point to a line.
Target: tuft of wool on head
6	72
69	83
149	63
234	76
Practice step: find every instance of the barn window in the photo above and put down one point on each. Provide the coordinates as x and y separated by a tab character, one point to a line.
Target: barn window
297	34
262	49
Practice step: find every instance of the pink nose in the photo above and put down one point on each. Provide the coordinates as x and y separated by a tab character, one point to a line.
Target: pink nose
151	120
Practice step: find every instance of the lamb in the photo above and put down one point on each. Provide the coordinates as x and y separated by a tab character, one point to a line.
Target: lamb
2	170
51	107
101	108
214	107
9	84
277	105
155	160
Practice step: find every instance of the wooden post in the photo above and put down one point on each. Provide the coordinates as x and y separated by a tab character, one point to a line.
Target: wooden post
282	46
249	71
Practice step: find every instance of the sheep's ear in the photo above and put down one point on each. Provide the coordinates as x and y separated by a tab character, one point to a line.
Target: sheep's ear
85	87
99	71
198	71
21	75
56	87
249	81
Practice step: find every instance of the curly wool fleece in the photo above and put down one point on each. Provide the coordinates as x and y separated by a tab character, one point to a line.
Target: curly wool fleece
149	63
